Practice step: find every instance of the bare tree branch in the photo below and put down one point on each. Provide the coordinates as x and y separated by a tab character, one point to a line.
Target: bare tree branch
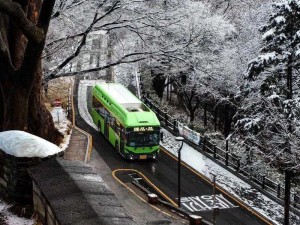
118	62
53	74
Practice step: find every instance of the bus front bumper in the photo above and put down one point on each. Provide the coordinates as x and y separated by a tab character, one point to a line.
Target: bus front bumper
132	156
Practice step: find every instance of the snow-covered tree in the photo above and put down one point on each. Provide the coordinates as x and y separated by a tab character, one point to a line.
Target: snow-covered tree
124	28
197	48
269	117
247	16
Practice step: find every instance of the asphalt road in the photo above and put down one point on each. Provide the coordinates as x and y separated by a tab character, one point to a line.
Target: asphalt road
196	193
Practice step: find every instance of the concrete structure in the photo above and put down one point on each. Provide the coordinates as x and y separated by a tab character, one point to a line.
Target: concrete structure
14	179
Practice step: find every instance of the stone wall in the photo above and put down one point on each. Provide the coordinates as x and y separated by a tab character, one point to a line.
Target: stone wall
15	181
42	207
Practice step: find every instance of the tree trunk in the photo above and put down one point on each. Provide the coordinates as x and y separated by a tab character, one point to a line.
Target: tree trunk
227	120
40	120
289	79
21	104
15	107
215	118
205	114
158	84
109	55
192	115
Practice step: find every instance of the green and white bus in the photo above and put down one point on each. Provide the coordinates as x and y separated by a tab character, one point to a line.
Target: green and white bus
129	125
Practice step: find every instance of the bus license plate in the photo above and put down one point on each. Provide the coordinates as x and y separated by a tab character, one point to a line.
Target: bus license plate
143	156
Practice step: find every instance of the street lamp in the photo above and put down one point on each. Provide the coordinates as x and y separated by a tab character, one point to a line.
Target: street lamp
179	162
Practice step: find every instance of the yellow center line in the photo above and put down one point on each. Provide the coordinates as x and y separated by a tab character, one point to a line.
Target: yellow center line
153	185
156	188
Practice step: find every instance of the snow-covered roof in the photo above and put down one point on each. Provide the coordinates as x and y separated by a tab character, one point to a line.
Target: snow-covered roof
22	144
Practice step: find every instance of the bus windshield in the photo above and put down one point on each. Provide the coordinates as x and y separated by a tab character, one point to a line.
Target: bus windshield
139	139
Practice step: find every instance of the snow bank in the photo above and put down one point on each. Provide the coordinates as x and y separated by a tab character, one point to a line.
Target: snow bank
22	144
11	219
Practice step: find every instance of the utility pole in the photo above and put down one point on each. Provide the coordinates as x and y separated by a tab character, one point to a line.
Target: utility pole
179	165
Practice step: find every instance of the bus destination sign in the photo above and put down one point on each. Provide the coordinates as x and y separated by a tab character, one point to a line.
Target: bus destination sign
142	129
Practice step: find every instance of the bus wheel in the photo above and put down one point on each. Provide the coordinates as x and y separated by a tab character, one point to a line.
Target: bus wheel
99	126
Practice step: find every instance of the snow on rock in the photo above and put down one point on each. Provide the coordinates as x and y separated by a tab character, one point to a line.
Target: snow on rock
22	144
82	96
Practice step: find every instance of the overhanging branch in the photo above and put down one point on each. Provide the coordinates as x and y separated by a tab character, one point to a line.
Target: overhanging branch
82	72
96	19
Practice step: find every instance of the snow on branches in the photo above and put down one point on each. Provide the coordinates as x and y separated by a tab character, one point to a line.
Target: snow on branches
269	116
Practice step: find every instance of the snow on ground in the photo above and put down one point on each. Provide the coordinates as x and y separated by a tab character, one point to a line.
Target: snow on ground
207	167
62	124
82	97
7	218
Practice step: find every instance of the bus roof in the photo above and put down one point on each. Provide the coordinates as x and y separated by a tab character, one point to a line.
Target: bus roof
118	92
125	105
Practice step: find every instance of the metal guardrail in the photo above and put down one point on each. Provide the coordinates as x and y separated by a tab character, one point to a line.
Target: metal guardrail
226	158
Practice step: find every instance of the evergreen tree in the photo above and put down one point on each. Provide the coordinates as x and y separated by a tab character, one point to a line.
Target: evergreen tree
268	119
